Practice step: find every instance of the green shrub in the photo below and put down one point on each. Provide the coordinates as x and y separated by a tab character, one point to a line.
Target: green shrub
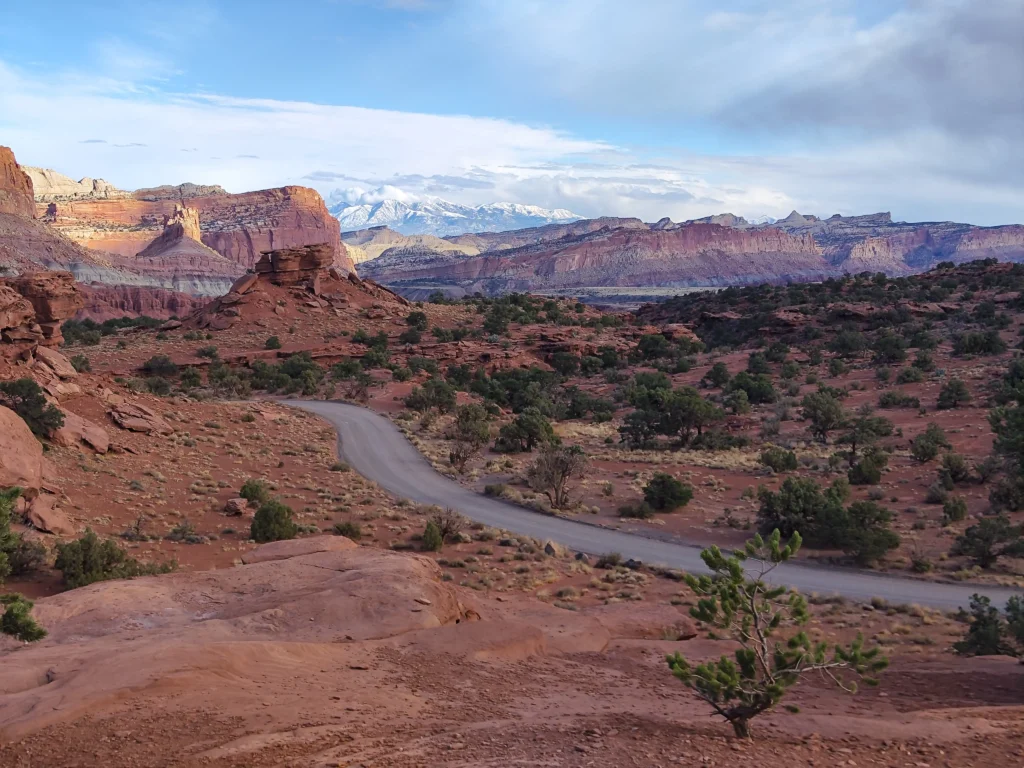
210	352
17	620
868	471
160	365
909	376
272	342
778	459
432	539
665	493
896	399
88	560
953	394
191	378
418	320
717	376
272	522
927	445
255	491
25	398
410	336
954	509
640	511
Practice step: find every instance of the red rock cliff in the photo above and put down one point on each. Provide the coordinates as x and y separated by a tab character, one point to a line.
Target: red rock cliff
239	227
15	187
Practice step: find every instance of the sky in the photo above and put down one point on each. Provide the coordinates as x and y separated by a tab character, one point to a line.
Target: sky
648	108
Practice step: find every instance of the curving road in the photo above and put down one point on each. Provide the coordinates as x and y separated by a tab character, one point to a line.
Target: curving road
375	448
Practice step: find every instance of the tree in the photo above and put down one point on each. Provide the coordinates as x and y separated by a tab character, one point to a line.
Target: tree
449	523
868	471
432	539
17	620
718	376
868	537
802	505
665	493
552	470
953	394
758	387
272	522
417	319
25	398
524	433
927	445
989	634
436	393
989	539
825	413
468	434
758	363
754	613
864	429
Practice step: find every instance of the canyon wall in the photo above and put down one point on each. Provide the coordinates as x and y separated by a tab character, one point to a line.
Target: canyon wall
15	187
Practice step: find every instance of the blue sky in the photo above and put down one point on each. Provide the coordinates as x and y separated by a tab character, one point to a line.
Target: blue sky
650	108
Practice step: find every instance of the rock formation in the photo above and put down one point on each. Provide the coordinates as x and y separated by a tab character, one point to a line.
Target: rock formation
179	192
15	187
32	308
290	266
103	302
287	277
717	250
21	455
49	186
238	227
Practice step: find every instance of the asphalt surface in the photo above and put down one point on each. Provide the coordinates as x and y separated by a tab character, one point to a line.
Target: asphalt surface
376	449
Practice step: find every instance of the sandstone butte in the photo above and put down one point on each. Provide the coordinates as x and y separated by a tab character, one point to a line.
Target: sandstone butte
154	250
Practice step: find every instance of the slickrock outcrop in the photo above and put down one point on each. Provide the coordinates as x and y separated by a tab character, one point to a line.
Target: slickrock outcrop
21	455
136	417
49	186
15	187
44	515
78	430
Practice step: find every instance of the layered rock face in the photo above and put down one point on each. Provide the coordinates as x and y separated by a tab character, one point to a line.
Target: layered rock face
15	187
291	266
32	308
179	192
49	186
103	302
698	254
718	250
239	227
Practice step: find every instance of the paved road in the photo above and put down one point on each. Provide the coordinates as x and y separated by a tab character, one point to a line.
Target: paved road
375	448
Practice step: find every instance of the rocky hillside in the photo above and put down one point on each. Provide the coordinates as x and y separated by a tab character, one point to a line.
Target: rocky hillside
720	250
49	185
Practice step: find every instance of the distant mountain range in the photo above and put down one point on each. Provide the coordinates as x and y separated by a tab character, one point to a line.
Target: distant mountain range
714	251
443	218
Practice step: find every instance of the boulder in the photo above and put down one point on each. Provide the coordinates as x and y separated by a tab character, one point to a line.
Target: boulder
54	298
244	284
236	507
138	418
44	515
79	430
21	454
291	266
57	362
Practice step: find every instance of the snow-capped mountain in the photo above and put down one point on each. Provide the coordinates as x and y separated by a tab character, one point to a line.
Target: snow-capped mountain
443	218
762	220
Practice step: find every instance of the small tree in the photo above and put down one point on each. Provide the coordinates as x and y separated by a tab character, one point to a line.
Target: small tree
255	491
551	472
524	433
417	319
468	434
927	445
754	614
953	394
272	522
990	634
718	376
17	619
25	398
864	429
665	494
825	413
989	539
868	537
273	342
432	539
449	522
778	459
